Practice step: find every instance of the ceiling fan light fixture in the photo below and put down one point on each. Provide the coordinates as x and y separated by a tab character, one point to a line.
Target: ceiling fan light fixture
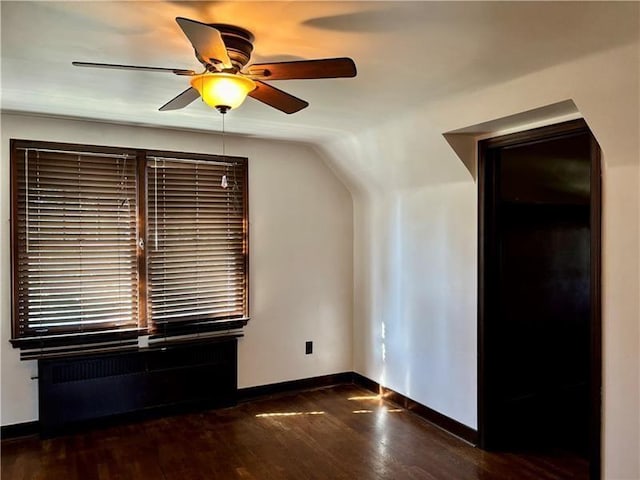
224	51
223	91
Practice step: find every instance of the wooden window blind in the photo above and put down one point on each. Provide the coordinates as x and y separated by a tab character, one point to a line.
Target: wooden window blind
109	244
197	251
75	255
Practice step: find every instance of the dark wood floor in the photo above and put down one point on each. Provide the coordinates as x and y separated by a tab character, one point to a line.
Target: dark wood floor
333	433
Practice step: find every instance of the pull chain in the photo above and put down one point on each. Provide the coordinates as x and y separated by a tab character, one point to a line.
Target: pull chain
223	182
223	153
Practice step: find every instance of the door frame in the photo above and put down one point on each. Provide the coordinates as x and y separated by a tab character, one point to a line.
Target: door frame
486	235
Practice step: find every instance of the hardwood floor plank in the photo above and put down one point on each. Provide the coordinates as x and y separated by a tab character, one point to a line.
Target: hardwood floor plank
336	433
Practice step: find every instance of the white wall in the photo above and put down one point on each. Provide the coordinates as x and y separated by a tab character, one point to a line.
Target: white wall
414	263
300	218
415	231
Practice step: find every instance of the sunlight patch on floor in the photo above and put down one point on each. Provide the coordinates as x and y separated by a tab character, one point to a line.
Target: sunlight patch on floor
287	414
387	410
366	397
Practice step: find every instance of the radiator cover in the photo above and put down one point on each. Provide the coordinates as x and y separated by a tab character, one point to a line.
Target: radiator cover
75	389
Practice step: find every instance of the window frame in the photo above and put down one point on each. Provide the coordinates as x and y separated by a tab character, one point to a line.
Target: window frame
145	325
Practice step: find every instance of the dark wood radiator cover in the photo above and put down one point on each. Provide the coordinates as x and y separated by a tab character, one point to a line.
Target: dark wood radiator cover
76	389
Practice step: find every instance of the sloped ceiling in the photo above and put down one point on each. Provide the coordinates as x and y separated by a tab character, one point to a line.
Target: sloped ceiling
409	54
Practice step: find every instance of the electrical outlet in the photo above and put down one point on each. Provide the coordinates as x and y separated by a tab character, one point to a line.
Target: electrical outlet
308	348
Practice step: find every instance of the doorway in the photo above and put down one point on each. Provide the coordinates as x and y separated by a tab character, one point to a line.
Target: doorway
539	326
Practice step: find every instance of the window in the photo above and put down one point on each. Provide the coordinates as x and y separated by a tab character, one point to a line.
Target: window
111	244
196	253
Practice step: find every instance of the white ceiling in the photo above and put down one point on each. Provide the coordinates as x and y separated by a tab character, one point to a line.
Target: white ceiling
409	55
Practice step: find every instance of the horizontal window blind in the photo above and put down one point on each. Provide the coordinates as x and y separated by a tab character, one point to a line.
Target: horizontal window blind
75	252
110	244
197	251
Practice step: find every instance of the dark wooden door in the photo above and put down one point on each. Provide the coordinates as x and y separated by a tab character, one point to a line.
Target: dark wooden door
539	316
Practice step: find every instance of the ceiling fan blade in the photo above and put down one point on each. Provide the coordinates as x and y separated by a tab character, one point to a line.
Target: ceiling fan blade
182	100
304	69
207	42
115	66
277	98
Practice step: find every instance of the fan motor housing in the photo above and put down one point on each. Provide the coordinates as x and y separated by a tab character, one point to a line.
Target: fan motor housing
239	43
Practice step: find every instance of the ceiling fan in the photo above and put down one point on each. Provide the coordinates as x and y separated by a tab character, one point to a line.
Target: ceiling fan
224	51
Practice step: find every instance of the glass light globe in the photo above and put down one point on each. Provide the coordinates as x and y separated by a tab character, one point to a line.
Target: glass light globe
223	91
